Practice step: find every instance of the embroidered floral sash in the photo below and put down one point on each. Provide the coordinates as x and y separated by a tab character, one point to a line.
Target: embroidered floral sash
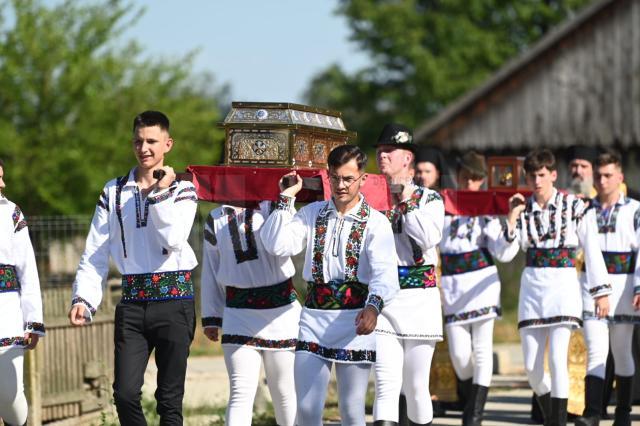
336	295
8	279
561	257
157	286
423	276
618	262
460	263
267	297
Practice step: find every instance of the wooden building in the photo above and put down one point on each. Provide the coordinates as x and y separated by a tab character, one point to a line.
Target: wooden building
580	84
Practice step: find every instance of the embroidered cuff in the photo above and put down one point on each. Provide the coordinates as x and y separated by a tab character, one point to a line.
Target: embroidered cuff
35	328
600	290
211	322
80	301
285	203
186	194
375	301
162	195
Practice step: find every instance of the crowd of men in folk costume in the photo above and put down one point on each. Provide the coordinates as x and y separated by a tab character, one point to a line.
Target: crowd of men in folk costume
372	297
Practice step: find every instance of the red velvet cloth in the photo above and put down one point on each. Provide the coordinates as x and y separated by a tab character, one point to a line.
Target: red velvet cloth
477	203
250	185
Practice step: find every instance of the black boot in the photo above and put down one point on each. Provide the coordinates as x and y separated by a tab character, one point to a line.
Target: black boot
474	409
402	411
558	412
463	390
594	388
623	404
385	423
544	403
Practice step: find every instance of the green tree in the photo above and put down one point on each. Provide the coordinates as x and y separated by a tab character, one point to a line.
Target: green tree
69	89
426	53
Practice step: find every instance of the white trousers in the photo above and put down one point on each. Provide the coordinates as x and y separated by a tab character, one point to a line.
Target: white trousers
243	366
598	336
13	403
312	379
533	347
402	366
471	350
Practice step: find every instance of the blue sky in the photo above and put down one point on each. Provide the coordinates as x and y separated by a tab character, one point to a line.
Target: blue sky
265	50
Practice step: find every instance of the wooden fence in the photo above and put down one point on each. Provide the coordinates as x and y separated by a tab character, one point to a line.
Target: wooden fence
71	371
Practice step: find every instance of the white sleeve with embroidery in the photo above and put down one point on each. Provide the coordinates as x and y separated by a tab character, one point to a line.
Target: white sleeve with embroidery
94	263
508	241
381	251
596	270
424	220
25	263
212	294
283	233
493	232
172	211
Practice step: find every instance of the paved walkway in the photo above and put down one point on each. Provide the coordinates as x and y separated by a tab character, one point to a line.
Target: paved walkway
508	402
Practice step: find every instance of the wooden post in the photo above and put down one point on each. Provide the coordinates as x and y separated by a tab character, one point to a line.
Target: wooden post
32	386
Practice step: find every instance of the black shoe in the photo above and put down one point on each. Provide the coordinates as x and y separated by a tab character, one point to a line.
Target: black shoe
558	412
544	404
385	423
624	387
474	409
594	390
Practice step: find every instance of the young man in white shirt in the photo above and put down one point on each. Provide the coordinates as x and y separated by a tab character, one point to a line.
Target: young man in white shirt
618	220
350	269
142	224
21	323
247	293
550	227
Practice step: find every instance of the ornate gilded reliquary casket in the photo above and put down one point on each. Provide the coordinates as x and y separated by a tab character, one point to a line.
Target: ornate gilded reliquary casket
281	135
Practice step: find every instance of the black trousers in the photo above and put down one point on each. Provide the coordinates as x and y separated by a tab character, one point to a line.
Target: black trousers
140	327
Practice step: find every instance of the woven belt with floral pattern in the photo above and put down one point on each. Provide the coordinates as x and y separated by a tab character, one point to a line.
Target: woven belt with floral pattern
422	276
8	279
551	258
460	263
336	295
618	262
157	286
268	297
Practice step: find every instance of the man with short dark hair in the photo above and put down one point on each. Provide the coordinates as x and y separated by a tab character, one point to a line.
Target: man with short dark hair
618	219
351	273
550	227
142	224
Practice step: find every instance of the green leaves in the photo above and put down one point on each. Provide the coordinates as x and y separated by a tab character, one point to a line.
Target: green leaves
426	53
69	90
